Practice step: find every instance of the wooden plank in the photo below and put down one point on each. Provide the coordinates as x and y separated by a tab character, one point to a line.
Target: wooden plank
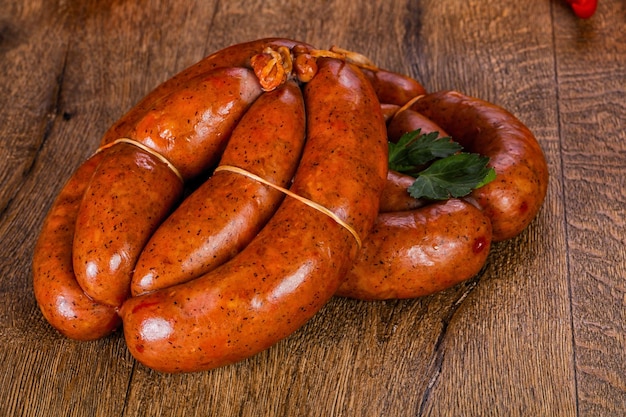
591	69
33	45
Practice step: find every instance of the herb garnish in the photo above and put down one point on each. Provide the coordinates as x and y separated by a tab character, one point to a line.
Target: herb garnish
449	173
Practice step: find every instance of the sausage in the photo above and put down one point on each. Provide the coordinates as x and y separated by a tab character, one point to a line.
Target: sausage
230	57
61	300
514	198
395	196
389	110
419	252
392	87
191	125
130	193
296	262
408	120
221	217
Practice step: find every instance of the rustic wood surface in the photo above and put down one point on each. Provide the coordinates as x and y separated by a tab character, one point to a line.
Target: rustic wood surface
540	332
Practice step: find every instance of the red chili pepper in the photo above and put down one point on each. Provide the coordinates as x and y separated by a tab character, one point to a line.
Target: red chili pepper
584	8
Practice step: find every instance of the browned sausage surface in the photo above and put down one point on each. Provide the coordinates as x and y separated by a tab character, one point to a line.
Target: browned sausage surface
61	300
230	57
191	125
295	264
129	195
395	196
419	252
225	213
132	191
513	200
409	120
394	88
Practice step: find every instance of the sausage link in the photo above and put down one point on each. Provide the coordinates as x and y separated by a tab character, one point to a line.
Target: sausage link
130	193
409	120
295	264
389	110
394	88
191	125
514	198
61	300
225	213
416	253
230	57
395	196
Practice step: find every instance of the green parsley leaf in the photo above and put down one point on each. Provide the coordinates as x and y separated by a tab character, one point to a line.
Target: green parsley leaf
453	176
415	149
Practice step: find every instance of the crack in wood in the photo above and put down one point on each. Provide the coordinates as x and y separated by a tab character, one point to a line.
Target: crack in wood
436	364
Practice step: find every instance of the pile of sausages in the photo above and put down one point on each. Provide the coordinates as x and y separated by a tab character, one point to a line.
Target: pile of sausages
232	202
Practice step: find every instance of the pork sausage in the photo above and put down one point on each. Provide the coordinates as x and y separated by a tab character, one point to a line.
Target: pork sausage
191	125
230	57
415	253
296	262
395	196
514	198
394	88
61	300
408	120
130	193
225	213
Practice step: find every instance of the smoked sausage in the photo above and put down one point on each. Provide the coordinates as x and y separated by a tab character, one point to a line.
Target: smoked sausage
61	300
190	126
233	56
225	213
130	193
419	252
296	262
408	120
395	196
514	198
392	87
133	190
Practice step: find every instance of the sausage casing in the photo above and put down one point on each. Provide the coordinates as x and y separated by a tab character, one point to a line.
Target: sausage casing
129	195
419	252
230	57
191	126
295	264
225	213
394	88
514	198
61	300
395	195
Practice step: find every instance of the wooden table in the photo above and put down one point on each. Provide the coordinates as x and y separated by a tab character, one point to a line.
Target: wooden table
540	332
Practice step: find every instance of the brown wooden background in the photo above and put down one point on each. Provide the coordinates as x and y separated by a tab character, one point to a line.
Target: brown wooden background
541	332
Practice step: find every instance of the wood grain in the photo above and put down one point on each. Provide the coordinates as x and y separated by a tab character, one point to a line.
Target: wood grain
540	331
592	127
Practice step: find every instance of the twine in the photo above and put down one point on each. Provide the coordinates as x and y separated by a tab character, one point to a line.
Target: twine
146	149
304	200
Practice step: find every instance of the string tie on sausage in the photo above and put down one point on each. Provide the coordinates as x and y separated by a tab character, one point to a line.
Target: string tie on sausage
145	149
304	200
409	104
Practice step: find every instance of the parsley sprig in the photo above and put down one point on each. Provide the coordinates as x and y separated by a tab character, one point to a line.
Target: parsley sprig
440	169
